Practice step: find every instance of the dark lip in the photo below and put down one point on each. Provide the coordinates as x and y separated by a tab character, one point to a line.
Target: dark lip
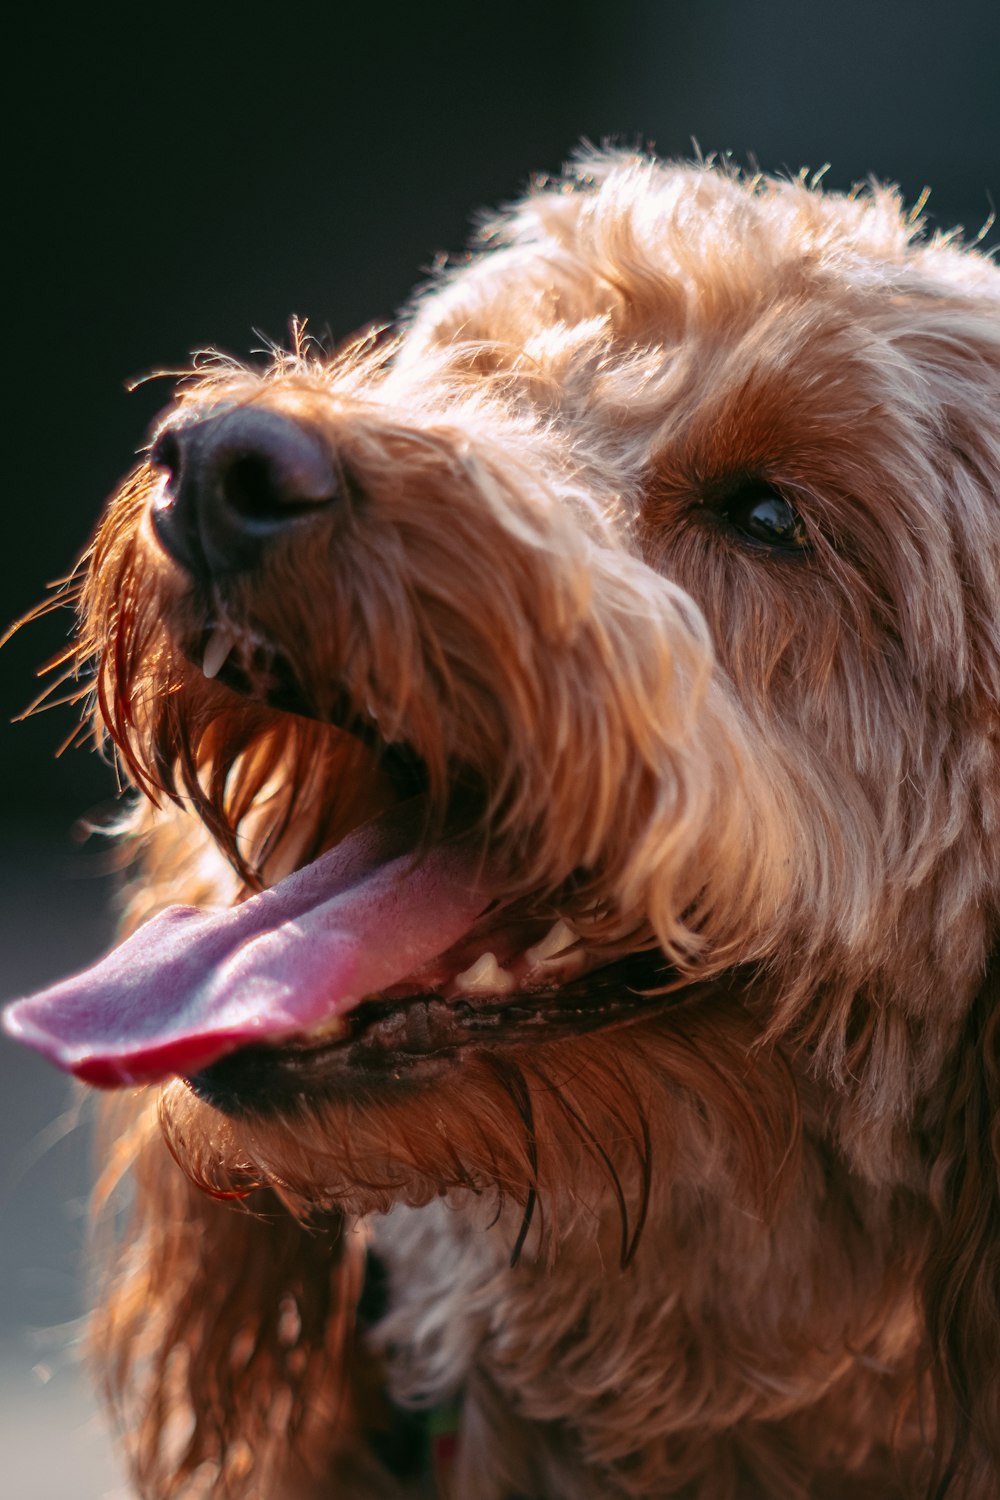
394	1043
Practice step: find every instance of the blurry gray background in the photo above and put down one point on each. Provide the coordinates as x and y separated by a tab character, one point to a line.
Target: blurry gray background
184	178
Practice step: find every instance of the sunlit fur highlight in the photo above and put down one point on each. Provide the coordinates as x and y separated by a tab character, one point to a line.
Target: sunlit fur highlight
750	1245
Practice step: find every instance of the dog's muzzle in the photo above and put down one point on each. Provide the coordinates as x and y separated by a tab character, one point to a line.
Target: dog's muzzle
235	481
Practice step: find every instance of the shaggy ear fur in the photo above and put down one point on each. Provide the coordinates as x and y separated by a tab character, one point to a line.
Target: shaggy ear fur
962	1287
225	1333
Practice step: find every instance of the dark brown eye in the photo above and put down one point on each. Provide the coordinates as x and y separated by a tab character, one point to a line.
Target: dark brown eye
759	514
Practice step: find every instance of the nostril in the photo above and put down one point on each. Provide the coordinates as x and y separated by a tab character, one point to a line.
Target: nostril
249	486
259	490
166	453
264	468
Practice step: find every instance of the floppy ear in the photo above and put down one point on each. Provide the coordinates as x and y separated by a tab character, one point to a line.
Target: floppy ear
224	1334
962	1285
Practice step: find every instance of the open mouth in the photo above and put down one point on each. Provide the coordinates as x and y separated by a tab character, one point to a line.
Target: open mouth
253	667
385	955
413	1038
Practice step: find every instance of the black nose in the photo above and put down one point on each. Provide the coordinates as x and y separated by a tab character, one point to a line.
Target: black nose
234	482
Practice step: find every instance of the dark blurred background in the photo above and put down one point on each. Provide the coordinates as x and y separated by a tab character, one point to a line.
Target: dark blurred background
193	177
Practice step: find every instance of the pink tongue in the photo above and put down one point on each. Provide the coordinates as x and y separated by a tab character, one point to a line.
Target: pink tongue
192	985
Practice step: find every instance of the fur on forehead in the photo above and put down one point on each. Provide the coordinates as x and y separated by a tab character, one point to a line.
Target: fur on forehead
658	250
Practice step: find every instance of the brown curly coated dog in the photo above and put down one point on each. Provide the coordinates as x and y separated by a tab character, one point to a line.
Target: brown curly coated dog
571	725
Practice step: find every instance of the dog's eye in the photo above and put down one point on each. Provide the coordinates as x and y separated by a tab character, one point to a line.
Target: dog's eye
761	515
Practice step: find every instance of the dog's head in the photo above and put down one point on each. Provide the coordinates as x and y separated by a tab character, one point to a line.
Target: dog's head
589	688
625	622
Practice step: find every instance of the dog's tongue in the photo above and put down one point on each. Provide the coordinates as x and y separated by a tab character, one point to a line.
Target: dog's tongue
192	985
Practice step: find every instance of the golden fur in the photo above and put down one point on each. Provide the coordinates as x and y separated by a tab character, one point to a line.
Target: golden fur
748	1245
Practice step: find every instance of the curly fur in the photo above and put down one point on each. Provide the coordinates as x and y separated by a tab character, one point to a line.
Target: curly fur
748	1245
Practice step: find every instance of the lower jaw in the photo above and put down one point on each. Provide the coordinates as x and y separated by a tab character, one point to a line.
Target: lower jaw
394	1044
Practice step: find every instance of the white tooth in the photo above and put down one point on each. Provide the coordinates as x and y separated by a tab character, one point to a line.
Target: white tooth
555	940
485	977
220	643
334	1026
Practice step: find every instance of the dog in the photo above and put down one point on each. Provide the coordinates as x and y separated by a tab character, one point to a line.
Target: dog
556	1044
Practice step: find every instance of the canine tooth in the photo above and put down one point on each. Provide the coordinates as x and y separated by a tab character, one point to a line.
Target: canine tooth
333	1027
557	938
485	977
220	643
